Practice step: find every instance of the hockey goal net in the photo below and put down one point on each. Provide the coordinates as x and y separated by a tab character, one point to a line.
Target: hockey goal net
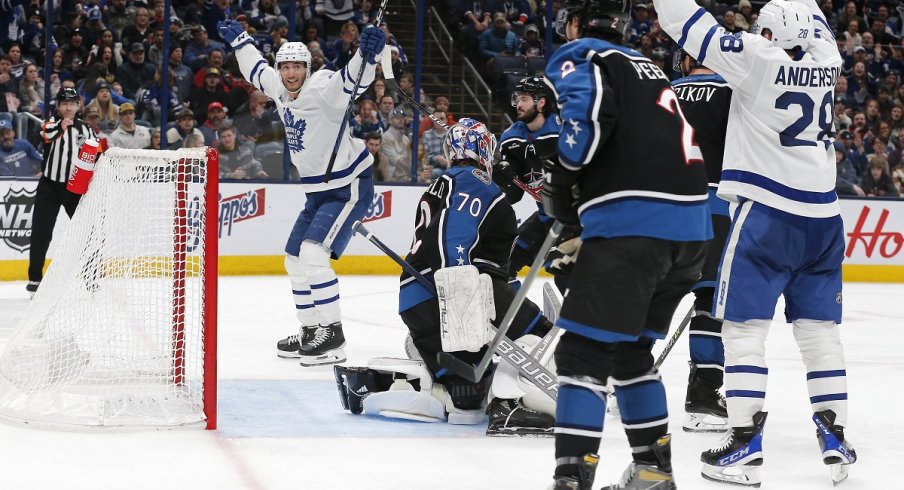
122	331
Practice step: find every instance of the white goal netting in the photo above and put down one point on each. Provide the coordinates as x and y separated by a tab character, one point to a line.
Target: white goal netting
122	329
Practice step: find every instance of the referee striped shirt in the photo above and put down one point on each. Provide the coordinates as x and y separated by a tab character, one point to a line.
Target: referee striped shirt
62	147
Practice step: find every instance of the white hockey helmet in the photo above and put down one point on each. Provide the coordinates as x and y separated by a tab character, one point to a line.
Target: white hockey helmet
791	23
294	51
470	139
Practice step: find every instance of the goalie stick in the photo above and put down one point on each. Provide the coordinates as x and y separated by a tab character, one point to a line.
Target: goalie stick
527	364
674	339
391	84
351	99
475	373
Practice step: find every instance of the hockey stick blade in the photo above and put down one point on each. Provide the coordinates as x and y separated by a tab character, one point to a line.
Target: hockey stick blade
475	373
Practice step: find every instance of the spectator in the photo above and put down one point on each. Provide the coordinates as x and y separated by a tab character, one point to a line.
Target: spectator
216	116
335	14
94	26
58	72
195	54
31	91
841	92
381	164
845	177
841	121
641	23
861	84
108	111
476	17
872	115
742	17
312	34
364	15
318	60
137	31
215	59
516	11
154	44
155	140
182	75
387	105
396	145
897	178
366	121
134	73
92	119
497	41
425	174
896	119
17	65
531	45
148	98
728	22
129	134
255	123
75	53
116	16
850	15
392	41
852	144
237	161
185	125
433	145
440	104
346	46
212	91
18	158
193	141
852	38
876	182
265	14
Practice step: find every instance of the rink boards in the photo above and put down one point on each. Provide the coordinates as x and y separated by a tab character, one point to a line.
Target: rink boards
255	219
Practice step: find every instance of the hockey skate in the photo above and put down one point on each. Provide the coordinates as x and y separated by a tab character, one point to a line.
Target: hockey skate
738	459
836	451
288	347
584	479
511	418
704	405
649	475
324	348
32	288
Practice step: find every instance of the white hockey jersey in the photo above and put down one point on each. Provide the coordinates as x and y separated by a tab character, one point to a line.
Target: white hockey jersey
780	124
312	120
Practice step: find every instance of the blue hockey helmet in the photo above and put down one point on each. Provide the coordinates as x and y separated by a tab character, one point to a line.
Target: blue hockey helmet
470	139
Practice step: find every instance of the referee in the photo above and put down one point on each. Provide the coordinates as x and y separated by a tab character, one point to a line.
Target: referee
63	137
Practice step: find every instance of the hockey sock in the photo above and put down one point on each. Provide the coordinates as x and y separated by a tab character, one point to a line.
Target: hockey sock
745	369
822	353
644	413
301	292
580	411
324	284
707	352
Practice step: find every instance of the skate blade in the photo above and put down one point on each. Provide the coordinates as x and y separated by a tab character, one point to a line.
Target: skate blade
703	422
520	432
741	475
287	354
839	473
334	356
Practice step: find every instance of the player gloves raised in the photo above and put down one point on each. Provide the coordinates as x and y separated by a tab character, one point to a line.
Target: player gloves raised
560	194
373	40
233	33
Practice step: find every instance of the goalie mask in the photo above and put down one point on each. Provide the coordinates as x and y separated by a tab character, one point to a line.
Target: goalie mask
470	139
790	23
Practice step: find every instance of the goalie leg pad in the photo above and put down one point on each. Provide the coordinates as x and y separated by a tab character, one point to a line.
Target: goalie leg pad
315	259
404	390
466	308
820	347
509	384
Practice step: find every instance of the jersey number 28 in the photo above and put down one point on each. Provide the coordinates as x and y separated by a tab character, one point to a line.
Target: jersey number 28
789	136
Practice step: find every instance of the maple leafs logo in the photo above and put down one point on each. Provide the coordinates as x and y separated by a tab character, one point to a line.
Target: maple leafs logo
294	130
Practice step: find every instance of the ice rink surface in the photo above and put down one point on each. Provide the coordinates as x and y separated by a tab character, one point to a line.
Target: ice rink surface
282	426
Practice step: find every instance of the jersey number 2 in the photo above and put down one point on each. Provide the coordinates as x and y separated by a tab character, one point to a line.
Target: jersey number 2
668	100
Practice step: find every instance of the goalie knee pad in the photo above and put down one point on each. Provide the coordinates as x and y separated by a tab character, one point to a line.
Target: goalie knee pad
745	369
315	262
820	347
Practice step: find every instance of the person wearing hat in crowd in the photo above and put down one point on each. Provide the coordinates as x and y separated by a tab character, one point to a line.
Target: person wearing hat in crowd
185	125
641	23
129	134
531	44
137	31
318	59
216	117
106	108
392	41
93	27
182	74
215	59
196	52
92	119
33	32
135	72
75	52
396	146
211	91
743	15
499	40
846	180
63	135
18	157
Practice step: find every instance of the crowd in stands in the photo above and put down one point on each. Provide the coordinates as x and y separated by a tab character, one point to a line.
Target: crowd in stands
111	51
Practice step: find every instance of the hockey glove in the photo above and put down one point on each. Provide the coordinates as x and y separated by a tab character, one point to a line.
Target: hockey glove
233	33
503	174
561	258
560	194
373	40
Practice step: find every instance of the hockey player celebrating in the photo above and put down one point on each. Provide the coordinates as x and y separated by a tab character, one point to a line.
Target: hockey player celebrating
311	108
463	235
645	223
705	98
786	236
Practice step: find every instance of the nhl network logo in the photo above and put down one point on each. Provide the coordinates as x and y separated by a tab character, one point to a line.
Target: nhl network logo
16	210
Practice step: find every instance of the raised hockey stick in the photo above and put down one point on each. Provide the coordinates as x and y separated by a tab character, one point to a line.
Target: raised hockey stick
526	364
351	100
475	373
391	84
674	339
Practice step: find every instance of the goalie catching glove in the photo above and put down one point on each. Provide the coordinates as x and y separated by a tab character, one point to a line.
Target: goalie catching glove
466	307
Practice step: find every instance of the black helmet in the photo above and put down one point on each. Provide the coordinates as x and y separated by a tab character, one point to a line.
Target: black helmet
606	19
679	57
536	86
67	93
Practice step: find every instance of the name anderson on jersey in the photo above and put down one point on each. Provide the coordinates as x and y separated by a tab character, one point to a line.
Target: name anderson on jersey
804	76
